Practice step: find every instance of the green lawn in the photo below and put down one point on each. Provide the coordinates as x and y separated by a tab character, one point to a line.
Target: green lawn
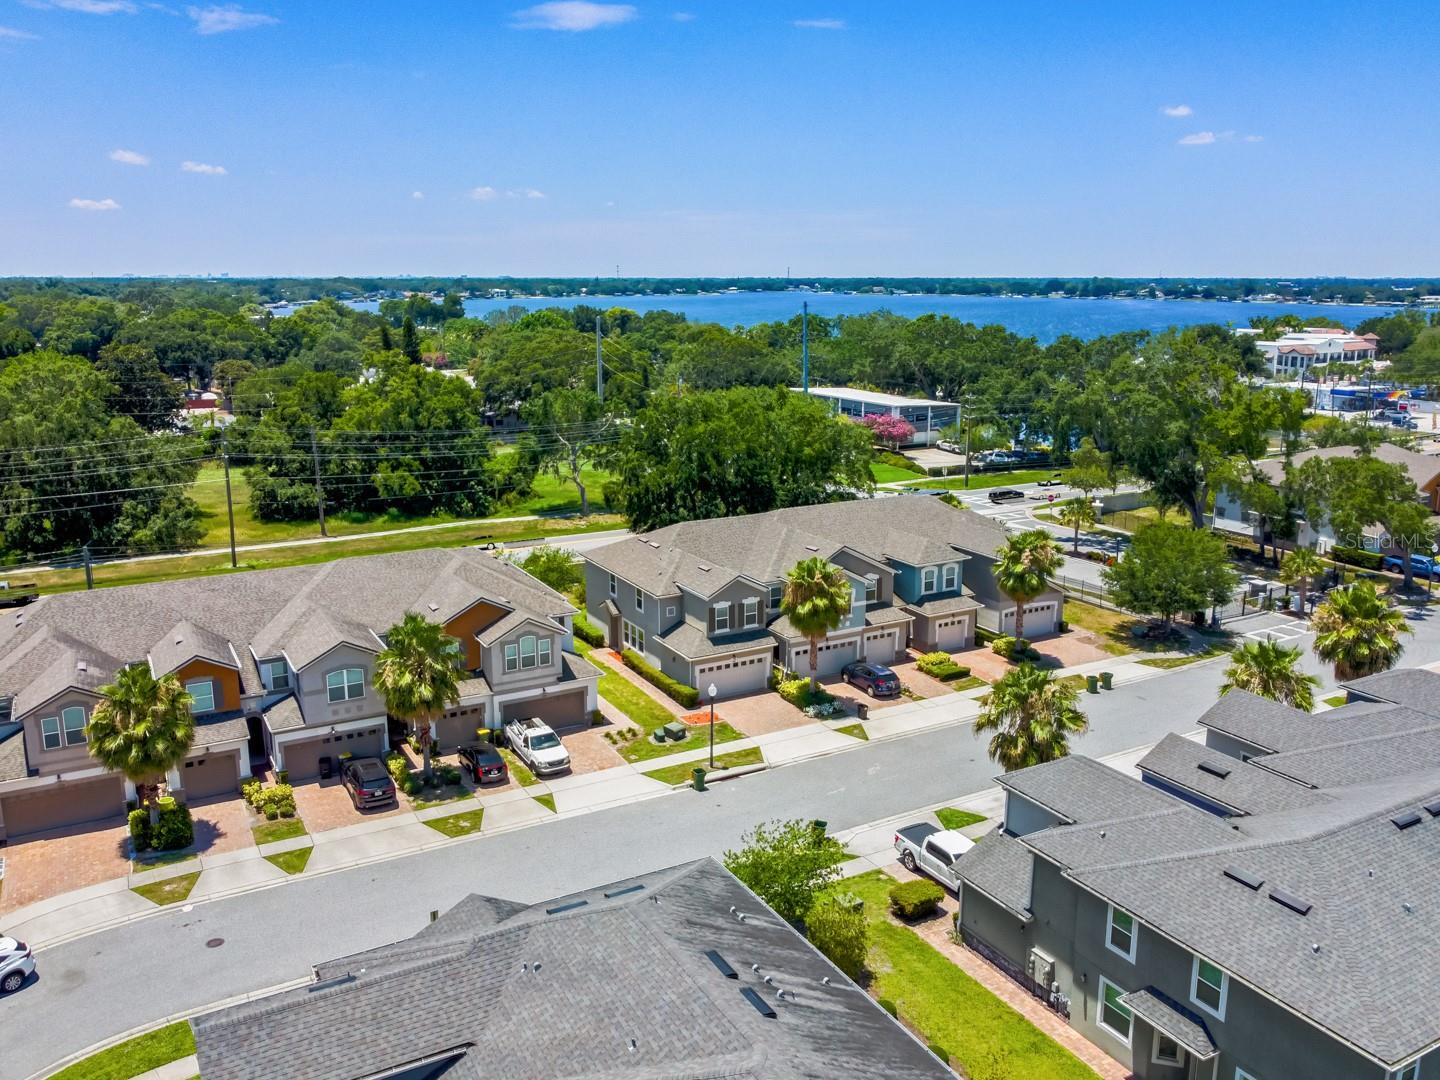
948	1008
458	824
284	829
547	801
626	696
986	480
1166	663
951	818
1335	700
151	860
169	891
697	736
134	1056
292	862
438	796
855	731
967	683
1113	628
681	774
888	474
523	776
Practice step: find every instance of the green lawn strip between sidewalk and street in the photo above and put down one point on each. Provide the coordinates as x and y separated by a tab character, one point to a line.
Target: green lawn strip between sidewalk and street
953	818
283	829
169	890
1166	663
134	1057
946	1007
462	824
855	731
682	774
292	862
547	800
697	736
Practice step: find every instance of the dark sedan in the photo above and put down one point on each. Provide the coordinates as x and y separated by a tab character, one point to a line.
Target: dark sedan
874	679
369	783
1000	495
484	763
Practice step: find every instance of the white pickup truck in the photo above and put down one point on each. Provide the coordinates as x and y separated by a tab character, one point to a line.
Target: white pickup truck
933	851
537	746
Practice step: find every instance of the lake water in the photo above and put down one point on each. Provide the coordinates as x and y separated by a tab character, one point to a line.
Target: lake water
1041	317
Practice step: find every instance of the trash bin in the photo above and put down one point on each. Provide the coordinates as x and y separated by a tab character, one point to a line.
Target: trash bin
1105	677
325	767
1092	684
862	710
697	778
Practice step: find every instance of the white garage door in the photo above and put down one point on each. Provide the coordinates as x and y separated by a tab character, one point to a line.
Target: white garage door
952	634
742	675
1039	619
881	647
830	657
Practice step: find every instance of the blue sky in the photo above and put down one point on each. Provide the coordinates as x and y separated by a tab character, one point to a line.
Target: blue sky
317	137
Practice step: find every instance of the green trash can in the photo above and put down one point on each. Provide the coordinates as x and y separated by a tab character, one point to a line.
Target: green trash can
697	778
1092	684
1105	677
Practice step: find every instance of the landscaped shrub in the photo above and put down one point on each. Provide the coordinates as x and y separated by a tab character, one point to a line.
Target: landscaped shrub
799	693
840	932
279	800
687	696
587	631
915	899
1003	646
250	790
139	821
449	775
174	830
984	636
888	1006
899	461
399	769
939	665
1366	560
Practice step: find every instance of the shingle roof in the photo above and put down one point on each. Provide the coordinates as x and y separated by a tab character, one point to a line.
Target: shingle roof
577	667
1168	1015
284	715
1081	789
885	616
1422	468
586	986
691	642
1000	867
12	753
946	605
211	728
1414	687
1244	790
184	642
704	556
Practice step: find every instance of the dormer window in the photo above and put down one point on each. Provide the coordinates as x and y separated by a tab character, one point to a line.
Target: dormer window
722	617
928	579
275	674
872	589
777	596
952	576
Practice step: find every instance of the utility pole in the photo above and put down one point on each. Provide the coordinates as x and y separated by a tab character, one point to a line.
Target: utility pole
319	491
599	365
966	411
229	503
89	568
805	346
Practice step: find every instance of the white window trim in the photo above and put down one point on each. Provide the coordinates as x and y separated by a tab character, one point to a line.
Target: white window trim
1409	1072
750	613
544	652
722	608
1134	932
194	704
343	686
81	739
776	597
1156	1059
872	590
1218	1014
512	657
632	636
59	733
1100	1013
271	683
614	587
932	574
639	600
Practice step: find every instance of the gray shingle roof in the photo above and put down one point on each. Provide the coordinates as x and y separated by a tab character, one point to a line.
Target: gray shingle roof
1416	688
885	615
945	605
12	753
184	642
284	715
211	728
1168	1015
1244	790
763	547
619	986
689	641
1422	468
1081	789
577	667
1000	867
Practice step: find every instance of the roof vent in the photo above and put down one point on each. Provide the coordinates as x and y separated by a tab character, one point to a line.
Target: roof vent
1433	807
81	665
1213	769
760	1004
433	606
571	906
721	965
1315	948
811	547
626	891
1244	877
326	984
1406	820
1408	908
633	1045
1295	903
704	569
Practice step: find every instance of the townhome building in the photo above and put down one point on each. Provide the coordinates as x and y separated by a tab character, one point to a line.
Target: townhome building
1233	516
280	668
702	600
1257	906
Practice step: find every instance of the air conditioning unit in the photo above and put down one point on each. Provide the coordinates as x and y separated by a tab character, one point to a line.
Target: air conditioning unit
1041	969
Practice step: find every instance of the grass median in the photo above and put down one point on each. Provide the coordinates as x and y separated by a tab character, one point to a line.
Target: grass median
136	1056
684	773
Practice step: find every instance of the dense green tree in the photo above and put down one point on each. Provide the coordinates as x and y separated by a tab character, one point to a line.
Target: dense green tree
418	675
1032	715
189	342
410	340
1358	631
140	390
141	728
569	429
817	599
713	358
1272	671
788	864
1170	569
553	566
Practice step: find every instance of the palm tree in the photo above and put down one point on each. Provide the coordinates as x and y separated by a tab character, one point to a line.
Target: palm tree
1023	569
1358	632
817	598
142	729
1032	715
1272	671
1300	568
418	675
1077	513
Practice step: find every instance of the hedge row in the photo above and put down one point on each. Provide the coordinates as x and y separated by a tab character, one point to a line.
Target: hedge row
273	802
588	632
685	695
915	899
174	829
939	665
1366	560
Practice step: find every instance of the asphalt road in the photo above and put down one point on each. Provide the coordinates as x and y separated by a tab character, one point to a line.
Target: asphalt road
110	982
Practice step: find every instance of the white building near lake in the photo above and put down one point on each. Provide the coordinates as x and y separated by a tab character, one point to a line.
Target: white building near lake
927	417
1298	351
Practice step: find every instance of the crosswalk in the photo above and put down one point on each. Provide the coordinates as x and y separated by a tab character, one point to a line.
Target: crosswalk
1014	515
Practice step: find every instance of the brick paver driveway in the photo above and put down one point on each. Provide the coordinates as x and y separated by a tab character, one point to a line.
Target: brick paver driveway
325	804
222	824
49	863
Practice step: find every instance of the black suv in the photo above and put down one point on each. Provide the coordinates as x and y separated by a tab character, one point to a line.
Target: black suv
484	763
1000	495
369	783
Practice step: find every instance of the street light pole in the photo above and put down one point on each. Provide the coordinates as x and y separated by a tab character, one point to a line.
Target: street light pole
712	692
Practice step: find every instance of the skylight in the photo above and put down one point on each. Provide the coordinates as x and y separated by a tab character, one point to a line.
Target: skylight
1297	904
1244	877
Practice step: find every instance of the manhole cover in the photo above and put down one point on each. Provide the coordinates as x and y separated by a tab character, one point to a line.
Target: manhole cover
215	943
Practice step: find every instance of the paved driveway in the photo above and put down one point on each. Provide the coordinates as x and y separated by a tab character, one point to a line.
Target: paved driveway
222	824
49	863
325	804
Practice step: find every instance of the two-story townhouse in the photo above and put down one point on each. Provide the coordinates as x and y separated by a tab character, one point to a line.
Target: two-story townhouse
702	600
1251	909
280	668
1232	516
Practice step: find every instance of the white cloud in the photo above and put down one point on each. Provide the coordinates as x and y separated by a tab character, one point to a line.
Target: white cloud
1254	138
201	168
484	193
94	204
525	193
417	195
9	33
88	7
222	18
683	16
1177	111
573	15
129	157
820	24
1199	138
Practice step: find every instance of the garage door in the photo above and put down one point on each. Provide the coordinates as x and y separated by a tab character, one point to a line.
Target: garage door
302	760
560	711
214	774
951	635
1042	618
830	657
64	804
742	675
882	647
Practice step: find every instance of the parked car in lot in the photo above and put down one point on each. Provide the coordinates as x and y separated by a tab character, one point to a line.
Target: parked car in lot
17	963
1424	565
484	764
369	783
933	851
1000	495
1054	481
954	448
875	679
537	745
